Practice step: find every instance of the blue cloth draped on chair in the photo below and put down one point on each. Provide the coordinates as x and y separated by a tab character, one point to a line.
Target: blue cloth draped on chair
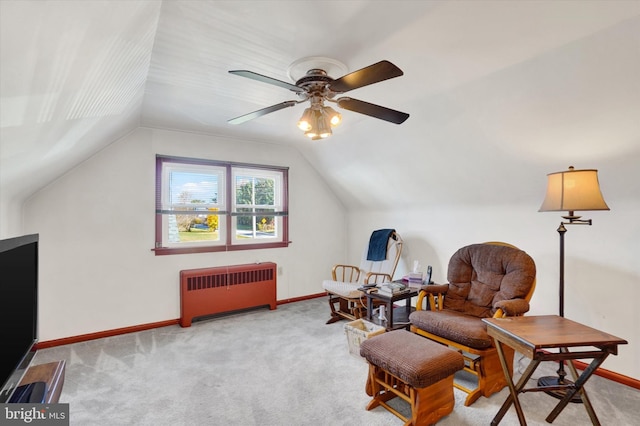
378	244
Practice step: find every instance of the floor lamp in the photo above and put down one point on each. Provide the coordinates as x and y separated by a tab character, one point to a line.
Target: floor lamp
571	190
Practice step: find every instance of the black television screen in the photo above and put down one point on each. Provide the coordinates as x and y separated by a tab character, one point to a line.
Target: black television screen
18	309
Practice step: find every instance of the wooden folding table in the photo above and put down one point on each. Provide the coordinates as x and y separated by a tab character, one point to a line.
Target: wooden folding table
537	337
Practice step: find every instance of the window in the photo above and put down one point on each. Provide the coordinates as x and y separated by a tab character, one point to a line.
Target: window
204	205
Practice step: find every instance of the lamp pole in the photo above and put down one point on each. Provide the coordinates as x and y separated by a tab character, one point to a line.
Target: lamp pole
551	381
561	231
561	373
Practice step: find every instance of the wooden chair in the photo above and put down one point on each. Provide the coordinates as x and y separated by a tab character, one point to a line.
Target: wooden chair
345	300
485	280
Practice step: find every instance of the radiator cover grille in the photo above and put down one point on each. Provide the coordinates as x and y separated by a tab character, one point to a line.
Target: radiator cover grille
210	291
224	279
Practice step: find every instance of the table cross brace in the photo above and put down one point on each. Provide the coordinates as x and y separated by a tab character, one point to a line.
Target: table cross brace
572	389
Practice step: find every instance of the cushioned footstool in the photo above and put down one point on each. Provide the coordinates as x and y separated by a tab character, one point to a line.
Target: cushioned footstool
415	369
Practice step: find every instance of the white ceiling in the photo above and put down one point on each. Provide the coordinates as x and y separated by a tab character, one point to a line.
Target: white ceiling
495	89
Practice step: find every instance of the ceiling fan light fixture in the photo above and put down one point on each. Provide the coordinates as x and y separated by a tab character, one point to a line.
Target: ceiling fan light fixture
306	121
323	126
335	118
314	84
312	134
319	123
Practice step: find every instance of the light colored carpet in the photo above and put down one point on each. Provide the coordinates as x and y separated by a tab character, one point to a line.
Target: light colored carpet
261	367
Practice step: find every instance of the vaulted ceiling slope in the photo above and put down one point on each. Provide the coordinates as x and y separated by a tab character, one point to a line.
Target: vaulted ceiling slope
494	88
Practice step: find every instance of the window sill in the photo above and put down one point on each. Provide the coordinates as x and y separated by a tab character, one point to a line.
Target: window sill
162	251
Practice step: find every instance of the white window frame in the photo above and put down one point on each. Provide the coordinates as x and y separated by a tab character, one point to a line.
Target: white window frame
225	203
277	203
167	205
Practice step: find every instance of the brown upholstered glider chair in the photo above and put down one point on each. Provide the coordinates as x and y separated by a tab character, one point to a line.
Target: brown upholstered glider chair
378	264
485	280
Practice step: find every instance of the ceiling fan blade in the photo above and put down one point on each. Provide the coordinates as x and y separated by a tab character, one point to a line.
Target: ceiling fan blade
375	73
372	110
263	78
261	112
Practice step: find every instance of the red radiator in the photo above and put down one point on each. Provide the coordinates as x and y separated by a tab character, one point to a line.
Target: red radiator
210	291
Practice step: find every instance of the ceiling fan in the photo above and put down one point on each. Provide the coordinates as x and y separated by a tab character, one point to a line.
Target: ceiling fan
317	87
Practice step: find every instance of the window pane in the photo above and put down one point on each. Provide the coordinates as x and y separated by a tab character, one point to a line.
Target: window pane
193	228
265	224
264	192
256	224
244	190
255	191
193	188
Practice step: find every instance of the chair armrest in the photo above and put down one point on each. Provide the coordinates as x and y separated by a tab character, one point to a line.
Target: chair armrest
435	288
510	308
345	273
376	278
431	292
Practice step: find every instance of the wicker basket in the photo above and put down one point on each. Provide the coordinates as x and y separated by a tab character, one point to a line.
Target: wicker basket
358	331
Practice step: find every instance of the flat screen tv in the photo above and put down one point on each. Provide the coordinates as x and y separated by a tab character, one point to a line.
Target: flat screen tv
18	309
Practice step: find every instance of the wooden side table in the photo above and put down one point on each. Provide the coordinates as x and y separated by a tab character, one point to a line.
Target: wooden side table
533	336
394	315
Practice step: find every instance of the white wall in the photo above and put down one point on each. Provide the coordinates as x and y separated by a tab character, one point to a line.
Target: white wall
97	230
96	226
601	261
10	215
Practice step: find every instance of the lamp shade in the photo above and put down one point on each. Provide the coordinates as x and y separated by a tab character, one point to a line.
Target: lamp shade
332	115
573	190
305	122
324	126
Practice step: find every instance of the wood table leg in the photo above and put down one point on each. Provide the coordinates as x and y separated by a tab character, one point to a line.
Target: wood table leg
513	390
583	391
578	387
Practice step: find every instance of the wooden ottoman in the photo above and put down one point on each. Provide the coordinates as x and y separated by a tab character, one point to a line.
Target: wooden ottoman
415	369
